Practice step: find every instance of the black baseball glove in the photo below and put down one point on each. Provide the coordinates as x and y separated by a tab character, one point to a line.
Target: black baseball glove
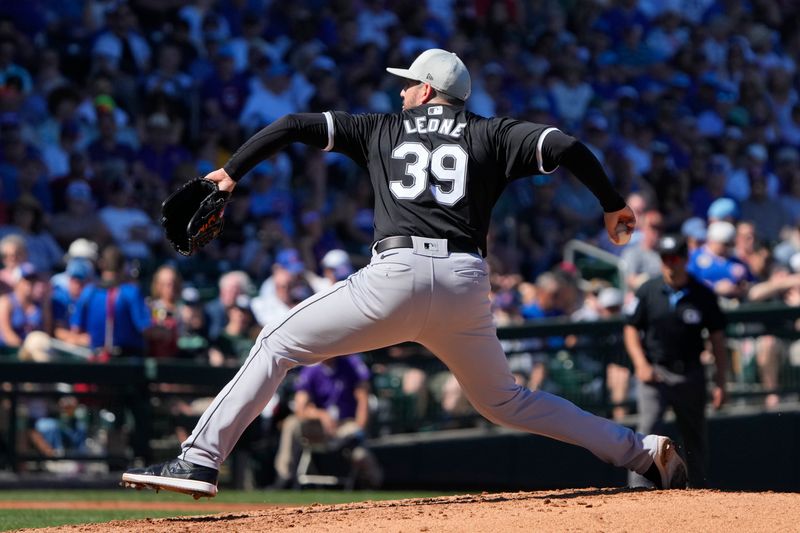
192	215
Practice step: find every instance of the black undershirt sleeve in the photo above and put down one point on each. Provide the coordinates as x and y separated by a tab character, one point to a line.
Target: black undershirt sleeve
307	128
561	149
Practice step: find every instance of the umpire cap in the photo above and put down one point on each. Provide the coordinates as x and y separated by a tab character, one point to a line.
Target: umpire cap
440	69
672	245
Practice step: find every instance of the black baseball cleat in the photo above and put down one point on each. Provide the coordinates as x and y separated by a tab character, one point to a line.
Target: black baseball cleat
668	470
176	475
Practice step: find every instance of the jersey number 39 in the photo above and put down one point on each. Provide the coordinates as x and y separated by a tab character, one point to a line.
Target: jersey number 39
447	163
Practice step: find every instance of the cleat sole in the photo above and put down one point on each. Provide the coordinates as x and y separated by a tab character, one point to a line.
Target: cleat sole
197	489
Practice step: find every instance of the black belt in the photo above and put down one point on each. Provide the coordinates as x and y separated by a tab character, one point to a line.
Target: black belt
404	241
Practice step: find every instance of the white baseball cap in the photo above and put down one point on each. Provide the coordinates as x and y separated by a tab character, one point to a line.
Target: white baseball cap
82	248
440	69
721	231
339	262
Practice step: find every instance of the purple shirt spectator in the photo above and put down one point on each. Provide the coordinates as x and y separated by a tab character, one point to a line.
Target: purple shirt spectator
332	386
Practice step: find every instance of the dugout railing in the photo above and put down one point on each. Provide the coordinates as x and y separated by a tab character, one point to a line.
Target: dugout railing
135	388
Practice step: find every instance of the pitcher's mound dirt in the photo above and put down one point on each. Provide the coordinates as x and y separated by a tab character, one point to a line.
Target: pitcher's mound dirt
563	510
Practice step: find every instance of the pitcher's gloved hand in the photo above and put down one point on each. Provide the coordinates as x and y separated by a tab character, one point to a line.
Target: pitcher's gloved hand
192	215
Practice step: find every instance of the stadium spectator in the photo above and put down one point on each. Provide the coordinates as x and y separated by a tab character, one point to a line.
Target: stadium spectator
769	213
331	404
336	266
618	374
78	274
110	156
62	430
193	341
788	171
641	260
715	265
111	315
233	345
287	286
13	253
160	155
739	184
694	230
28	221
20	312
231	286
132	229
165	313
78	249
79	219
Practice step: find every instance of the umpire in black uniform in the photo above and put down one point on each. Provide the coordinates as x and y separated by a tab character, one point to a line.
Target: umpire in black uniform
664	339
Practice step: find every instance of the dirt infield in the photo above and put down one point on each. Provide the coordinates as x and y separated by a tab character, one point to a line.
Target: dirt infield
563	510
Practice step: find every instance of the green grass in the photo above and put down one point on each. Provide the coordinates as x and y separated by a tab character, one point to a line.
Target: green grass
29	518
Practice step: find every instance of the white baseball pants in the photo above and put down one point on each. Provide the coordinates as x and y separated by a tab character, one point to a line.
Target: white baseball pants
423	295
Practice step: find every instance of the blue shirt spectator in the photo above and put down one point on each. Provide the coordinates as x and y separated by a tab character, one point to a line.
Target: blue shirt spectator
715	265
130	317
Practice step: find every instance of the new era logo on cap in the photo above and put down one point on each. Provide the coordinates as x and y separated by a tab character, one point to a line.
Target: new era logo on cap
440	69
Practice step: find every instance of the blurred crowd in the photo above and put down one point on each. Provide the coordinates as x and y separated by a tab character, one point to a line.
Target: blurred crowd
107	105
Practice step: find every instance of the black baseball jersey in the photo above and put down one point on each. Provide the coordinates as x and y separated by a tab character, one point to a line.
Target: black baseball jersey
673	321
437	170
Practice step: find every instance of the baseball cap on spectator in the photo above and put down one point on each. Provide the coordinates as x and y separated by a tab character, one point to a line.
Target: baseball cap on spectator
610	297
721	231
694	228
80	268
242	302
672	245
723	208
83	248
104	103
339	262
190	295
440	69
25	271
757	151
289	259
79	190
